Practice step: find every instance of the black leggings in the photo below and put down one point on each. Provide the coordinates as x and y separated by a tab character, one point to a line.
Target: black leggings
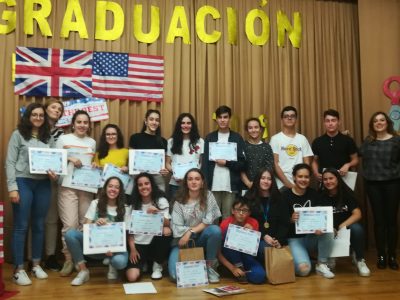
384	197
157	250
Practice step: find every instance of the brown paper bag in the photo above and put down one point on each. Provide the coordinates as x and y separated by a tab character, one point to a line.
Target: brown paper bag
191	252
279	265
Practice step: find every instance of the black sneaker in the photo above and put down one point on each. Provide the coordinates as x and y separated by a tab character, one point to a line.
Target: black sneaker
52	264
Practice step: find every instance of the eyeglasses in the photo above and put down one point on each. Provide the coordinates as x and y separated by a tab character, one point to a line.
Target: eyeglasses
243	211
289	116
37	116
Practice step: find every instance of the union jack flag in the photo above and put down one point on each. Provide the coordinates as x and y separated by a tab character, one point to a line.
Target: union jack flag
53	72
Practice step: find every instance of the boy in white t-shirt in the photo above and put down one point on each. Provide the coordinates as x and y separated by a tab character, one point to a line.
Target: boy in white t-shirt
290	148
223	175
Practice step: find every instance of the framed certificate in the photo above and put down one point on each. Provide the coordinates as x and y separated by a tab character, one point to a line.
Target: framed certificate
144	223
42	160
227	151
191	274
101	239
242	239
314	218
150	161
110	170
86	176
179	169
84	154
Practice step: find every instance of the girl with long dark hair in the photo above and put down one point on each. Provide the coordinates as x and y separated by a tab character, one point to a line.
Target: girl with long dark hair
185	146
109	207
148	197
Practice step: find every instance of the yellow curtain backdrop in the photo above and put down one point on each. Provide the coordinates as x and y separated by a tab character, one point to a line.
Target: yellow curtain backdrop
323	73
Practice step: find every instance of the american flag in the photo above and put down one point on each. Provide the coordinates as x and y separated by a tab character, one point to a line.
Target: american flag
53	72
128	76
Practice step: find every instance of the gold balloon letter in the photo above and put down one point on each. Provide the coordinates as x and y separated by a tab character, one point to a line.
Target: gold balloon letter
294	32
251	35
179	15
232	26
200	24
40	16
73	8
154	31
101	14
9	16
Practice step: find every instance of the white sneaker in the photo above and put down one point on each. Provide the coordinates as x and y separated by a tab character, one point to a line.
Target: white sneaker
363	269
81	278
322	269
21	278
112	273
213	276
157	271
38	272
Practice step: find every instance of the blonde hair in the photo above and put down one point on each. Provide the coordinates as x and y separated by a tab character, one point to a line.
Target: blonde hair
54	100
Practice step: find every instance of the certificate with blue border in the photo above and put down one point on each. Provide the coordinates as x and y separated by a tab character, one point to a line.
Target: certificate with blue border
144	223
191	274
315	218
242	239
101	239
150	161
42	160
86	177
226	151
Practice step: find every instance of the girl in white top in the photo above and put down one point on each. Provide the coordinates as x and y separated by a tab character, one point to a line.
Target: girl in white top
148	197
73	203
185	146
110	207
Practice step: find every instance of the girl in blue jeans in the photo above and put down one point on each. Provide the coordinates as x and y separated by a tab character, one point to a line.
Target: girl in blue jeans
29	193
301	195
193	215
346	214
110	207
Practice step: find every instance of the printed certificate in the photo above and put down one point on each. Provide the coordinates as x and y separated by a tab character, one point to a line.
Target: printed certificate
341	243
179	169
101	239
242	239
86	176
191	274
110	170
42	160
350	179
144	223
314	218
227	151
150	161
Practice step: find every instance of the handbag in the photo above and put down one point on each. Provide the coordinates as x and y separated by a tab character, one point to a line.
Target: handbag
279	265
191	252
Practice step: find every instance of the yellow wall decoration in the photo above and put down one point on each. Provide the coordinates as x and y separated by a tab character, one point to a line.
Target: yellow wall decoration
10	17
251	35
178	16
101	21
294	32
201	24
154	31
40	15
232	25
68	25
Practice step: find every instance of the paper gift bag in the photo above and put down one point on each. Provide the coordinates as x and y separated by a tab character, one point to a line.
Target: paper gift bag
279	265
191	252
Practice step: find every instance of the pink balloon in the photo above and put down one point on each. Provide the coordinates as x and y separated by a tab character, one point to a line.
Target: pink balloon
394	96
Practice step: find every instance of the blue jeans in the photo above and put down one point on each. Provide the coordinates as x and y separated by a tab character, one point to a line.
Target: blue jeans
74	241
357	239
210	239
311	242
34	201
256	273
